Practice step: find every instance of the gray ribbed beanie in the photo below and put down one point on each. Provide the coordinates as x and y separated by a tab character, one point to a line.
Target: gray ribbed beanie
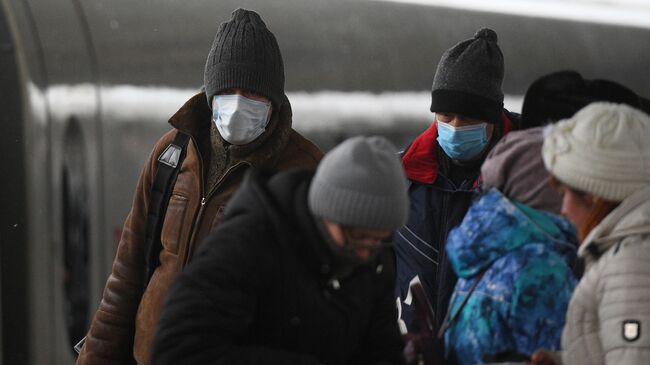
468	78
245	55
361	183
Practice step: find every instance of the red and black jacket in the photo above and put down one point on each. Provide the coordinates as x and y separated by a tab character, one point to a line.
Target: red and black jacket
437	205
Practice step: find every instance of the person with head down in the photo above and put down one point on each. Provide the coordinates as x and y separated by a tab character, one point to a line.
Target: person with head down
300	270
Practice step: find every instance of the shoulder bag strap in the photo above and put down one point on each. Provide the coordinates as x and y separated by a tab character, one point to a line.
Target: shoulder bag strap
449	322
169	163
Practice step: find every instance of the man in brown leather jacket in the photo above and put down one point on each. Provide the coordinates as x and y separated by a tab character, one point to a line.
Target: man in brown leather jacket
242	120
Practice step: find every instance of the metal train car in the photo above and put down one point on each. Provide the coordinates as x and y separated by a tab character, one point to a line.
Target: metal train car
86	87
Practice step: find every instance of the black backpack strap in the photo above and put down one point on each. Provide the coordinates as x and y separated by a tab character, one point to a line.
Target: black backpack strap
169	164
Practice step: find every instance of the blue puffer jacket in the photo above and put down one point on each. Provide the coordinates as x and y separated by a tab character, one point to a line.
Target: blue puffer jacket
520	303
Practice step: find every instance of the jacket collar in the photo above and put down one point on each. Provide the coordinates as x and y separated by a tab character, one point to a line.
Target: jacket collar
283	198
631	217
421	161
194	117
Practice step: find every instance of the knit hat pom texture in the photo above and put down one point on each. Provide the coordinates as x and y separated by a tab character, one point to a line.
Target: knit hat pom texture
487	34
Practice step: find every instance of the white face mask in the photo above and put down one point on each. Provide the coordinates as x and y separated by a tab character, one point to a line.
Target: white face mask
240	120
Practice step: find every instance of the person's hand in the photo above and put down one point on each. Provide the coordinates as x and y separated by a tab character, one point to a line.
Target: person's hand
411	350
423	349
418	349
541	357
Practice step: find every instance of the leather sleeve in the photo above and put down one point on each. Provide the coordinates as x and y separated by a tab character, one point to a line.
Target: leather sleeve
110	337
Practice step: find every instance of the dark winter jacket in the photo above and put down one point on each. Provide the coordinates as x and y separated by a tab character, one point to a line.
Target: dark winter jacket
437	205
519	305
262	291
122	329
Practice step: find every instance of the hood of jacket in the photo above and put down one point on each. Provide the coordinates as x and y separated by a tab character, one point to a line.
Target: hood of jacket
631	217
495	225
281	201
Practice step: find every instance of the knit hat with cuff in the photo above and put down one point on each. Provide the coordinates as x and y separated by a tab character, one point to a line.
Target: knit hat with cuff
245	55
361	183
468	79
603	150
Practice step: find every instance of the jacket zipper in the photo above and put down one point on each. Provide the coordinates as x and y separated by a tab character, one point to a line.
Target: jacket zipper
204	199
441	257
202	189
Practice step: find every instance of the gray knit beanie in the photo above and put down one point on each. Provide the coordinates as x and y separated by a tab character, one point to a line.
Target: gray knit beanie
515	167
361	183
245	55
468	79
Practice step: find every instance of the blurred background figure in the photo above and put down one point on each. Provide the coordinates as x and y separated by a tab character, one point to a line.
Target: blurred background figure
599	159
299	271
513	254
561	94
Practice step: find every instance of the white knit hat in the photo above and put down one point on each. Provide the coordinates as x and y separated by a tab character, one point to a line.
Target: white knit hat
604	149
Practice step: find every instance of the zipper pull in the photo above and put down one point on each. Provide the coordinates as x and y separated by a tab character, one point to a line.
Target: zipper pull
203	201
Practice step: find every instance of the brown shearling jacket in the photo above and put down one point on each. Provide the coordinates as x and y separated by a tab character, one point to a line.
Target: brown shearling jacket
123	327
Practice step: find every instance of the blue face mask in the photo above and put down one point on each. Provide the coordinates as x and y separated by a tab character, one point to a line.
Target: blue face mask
462	143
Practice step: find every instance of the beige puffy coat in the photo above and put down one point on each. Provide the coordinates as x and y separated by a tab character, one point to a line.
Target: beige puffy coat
608	320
